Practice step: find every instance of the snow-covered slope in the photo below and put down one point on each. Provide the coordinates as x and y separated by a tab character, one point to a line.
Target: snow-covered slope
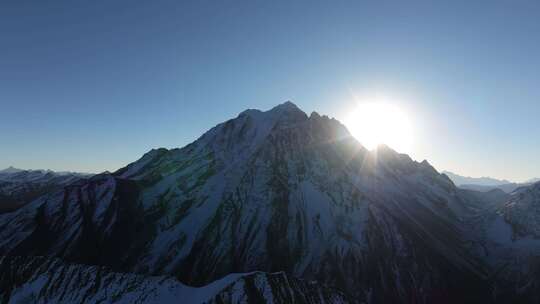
49	280
508	239
523	211
18	187
270	191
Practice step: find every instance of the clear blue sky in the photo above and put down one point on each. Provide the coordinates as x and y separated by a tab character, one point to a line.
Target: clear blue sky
92	85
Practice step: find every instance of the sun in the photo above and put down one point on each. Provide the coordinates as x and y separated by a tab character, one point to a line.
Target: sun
380	122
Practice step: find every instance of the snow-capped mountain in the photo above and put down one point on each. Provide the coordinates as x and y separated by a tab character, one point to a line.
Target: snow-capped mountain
18	187
486	184
533	180
274	191
10	170
508	188
480	181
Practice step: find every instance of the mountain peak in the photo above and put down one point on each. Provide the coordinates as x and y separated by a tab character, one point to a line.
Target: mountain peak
288	108
287	105
286	112
11	169
283	108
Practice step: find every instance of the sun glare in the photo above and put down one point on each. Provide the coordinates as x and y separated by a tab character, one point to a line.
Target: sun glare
379	122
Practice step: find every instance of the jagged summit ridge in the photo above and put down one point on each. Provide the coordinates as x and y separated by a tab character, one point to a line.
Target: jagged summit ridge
47	280
287	107
238	138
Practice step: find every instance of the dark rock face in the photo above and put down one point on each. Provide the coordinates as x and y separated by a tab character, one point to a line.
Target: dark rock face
277	288
95	222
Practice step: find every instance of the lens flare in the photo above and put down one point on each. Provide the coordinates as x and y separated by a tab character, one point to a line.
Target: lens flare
379	122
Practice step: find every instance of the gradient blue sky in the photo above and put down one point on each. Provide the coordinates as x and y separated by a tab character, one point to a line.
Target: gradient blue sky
92	85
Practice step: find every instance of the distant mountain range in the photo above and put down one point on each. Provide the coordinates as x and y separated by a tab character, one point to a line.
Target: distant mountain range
272	207
18	187
481	181
485	184
10	170
532	180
